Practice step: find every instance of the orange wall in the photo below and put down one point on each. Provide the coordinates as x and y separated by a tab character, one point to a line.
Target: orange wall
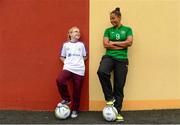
31	33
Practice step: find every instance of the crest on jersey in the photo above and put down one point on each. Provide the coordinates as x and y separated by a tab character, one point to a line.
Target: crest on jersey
123	32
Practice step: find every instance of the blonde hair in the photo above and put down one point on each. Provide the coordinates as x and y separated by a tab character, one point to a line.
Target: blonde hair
70	31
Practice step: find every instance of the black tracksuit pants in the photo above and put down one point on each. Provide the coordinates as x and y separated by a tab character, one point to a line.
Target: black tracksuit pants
120	68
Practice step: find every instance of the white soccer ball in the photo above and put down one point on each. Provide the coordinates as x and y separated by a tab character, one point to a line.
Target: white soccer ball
62	111
110	113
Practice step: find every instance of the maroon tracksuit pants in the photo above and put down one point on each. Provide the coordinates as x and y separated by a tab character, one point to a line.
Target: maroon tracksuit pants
63	87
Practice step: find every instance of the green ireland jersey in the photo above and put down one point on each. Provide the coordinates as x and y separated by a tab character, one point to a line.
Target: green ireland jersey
118	34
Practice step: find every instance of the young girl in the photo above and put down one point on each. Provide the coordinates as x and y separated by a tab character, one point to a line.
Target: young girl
73	55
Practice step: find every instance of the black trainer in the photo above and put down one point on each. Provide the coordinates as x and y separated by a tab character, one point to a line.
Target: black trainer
74	114
64	102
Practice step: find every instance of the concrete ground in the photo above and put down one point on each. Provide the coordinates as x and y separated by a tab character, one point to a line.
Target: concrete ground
131	117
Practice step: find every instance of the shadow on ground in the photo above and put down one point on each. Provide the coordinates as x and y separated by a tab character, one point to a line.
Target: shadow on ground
131	117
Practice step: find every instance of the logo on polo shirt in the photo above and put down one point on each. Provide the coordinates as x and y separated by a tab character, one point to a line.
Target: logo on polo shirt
70	54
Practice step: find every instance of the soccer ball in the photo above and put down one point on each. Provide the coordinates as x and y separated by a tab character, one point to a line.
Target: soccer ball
62	111
110	113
